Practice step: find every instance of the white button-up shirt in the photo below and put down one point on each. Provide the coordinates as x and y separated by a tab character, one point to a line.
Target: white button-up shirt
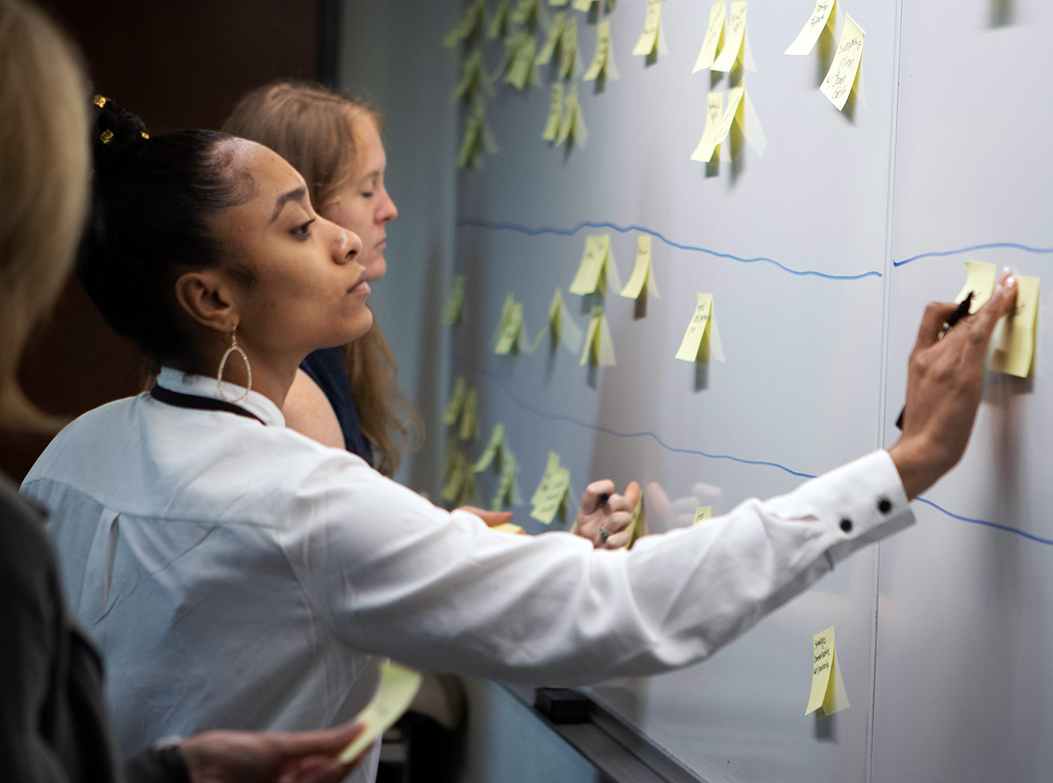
238	574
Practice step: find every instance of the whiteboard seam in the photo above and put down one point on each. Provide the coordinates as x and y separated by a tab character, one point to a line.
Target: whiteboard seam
883	389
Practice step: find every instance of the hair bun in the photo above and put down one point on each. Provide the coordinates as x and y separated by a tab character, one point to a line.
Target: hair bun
115	129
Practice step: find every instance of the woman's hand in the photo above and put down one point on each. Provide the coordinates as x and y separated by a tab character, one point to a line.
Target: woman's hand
611	517
491	518
269	757
944	387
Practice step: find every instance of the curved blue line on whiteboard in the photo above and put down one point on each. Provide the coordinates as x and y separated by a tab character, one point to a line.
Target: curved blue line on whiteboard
985	523
741	460
496	226
973	249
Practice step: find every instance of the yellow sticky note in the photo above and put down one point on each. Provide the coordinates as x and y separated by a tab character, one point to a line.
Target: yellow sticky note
507	494
714	35
841	77
397	689
511	335
599	347
456	403
456	469
813	28
703	512
555	112
521	72
572	125
550	469
451	313
472	81
551	495
469	429
597	267
642	279
469	490
552	37
477	138
499	22
637	527
493	447
560	327
828	690
568	49
507	527
648	40
734	37
603	60
702	340
1014	351
583	5
707	145
526	12
980	280
470	22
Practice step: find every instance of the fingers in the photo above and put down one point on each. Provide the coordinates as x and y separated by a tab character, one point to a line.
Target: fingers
617	522
323	741
936	315
632	494
491	518
983	322
591	501
617	541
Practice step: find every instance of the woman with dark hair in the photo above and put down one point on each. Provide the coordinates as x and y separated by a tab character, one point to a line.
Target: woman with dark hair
201	538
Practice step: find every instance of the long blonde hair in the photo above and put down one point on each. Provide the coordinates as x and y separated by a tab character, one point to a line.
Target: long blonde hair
43	186
310	126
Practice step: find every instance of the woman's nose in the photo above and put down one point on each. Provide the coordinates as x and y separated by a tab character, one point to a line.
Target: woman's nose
388	211
348	246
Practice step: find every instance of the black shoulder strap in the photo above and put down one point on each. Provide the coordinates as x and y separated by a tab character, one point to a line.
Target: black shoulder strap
180	400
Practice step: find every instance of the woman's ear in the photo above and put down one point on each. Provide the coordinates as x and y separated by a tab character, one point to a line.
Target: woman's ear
207	297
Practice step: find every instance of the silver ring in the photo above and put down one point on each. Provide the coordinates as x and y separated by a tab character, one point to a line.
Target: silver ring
604	533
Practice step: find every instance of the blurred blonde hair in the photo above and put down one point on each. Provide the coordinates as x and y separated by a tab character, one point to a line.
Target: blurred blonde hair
43	186
311	127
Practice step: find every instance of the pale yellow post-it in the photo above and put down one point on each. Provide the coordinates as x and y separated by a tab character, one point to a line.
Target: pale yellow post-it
572	125
568	49
734	36
583	5
841	77
701	513
550	469
821	16
469	489
457	467
469	429
590	272
707	145
497	440
499	21
453	409
511	335
472	82
1014	352
731	114
642	279
507	527
980	281
648	40
552	37
701	340
526	12
599	347
551	495
451	313
637	527
714	34
506	494
559	3
521	72
555	112
603	59
828	690
397	689
472	20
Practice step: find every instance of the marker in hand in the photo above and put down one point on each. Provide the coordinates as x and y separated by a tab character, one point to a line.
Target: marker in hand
601	501
956	316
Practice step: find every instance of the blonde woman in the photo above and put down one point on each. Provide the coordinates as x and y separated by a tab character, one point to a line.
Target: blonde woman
53	721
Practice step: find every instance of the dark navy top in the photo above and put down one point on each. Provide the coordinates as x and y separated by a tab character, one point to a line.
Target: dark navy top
326	368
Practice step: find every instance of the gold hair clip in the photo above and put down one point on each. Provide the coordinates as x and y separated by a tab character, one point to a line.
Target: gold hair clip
106	136
99	101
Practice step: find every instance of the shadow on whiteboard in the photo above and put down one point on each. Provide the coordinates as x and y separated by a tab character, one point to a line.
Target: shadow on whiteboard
1002	13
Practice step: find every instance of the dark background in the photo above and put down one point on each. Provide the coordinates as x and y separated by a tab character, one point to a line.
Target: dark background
177	64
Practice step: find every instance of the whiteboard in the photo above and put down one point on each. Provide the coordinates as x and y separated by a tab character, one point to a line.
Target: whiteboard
820	256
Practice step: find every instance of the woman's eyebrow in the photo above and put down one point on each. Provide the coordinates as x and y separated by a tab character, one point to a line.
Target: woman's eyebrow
298	194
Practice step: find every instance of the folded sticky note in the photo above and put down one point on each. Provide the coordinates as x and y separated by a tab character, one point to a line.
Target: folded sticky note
841	78
828	687
477	139
980	281
636	526
552	38
714	35
398	686
703	512
512	338
739	111
453	408
572	124
473	80
469	429
555	113
708	144
1014	350
599	347
493	448
568	49
471	22
527	12
551	466
499	21
521	71
734	38
560	327
559	3
456	472
508	490
451	313
603	60
647	43
642	279
597	268
586	5
702	338
551	495
821	16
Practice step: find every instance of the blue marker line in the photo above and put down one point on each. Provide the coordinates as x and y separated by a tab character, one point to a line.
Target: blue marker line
742	461
974	248
496	226
995	525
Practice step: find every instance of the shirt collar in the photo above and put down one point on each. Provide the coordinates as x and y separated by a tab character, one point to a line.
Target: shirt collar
203	386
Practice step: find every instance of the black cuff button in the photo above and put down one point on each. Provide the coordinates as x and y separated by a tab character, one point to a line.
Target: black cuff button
846	525
884	505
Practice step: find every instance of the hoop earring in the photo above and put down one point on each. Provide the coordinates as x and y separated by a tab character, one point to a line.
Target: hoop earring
234	348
